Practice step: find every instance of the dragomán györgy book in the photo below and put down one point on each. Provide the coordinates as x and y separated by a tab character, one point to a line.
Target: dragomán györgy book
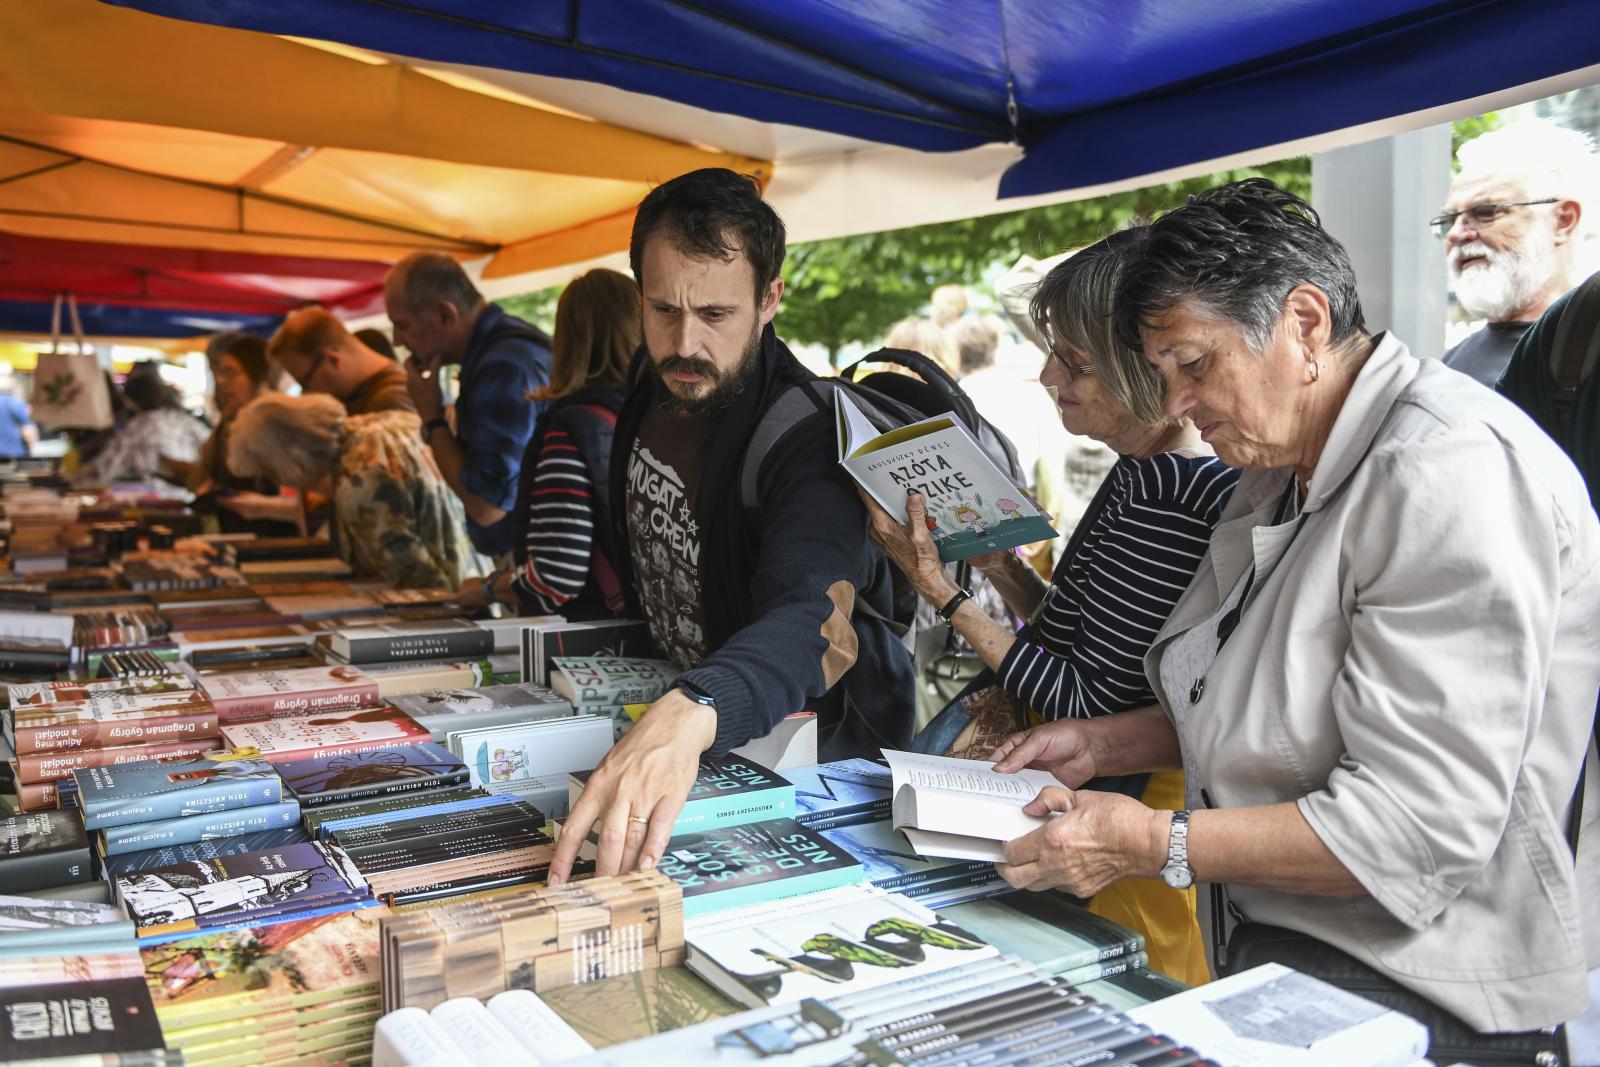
972	506
286	693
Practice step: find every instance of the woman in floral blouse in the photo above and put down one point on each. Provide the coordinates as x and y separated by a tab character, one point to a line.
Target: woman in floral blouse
394	516
159	428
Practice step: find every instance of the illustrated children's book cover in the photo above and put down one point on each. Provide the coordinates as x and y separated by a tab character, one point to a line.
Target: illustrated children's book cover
973	507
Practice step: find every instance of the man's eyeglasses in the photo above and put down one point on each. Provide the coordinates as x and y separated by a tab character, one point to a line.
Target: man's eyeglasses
1074	370
1481	216
304	380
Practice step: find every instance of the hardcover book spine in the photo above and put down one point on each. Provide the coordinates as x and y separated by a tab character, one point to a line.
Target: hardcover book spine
735	810
38	796
198	798
448	780
53	766
299	748
287	705
27	871
456	644
64	737
136	837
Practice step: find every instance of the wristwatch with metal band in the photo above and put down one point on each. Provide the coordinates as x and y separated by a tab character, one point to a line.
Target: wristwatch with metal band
1177	873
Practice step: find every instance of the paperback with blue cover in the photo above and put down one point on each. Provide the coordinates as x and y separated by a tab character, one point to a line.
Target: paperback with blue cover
733	866
169	787
199	851
841	793
138	836
343	777
892	864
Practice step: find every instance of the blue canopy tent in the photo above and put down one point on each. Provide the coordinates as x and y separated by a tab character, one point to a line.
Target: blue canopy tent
1094	91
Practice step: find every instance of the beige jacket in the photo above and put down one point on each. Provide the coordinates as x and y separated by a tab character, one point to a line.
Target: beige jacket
1417	669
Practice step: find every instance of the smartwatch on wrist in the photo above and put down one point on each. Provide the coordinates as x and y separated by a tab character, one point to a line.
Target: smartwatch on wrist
1177	873
698	695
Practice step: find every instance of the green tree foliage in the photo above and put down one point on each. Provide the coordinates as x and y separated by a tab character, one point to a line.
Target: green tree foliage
1464	130
854	288
537	307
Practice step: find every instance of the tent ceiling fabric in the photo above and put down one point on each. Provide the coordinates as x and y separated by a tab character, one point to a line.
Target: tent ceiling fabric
274	147
1103	89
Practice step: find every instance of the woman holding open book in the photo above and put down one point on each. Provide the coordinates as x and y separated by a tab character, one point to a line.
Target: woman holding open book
1129	559
1380	683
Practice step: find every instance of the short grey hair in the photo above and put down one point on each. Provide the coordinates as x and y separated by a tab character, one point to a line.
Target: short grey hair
429	276
1549	160
1072	305
290	440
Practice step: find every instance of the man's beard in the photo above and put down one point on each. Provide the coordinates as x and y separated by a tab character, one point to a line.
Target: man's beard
1507	281
726	386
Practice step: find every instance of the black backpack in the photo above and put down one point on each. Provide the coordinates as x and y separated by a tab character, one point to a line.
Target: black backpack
888	400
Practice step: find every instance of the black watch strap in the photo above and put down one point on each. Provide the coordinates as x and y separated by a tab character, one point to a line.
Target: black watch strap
432	425
961	597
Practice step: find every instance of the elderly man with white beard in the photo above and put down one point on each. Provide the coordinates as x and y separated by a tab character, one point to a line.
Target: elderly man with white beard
1511	230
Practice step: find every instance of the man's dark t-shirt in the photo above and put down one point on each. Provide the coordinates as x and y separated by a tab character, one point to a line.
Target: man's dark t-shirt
663	484
1484	354
384	391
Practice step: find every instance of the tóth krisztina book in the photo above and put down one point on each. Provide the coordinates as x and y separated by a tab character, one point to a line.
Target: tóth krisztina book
208	826
973	507
608	681
734	866
390	642
329	731
299	691
169	787
962	808
319	780
829	951
727	791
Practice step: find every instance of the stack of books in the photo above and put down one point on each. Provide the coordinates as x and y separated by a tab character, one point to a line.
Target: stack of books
557	936
182	800
55	728
263	996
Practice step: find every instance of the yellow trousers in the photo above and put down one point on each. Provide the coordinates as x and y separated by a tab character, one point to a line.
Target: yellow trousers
1162	914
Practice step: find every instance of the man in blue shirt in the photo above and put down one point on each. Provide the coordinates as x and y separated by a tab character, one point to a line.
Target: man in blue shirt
17	430
442	318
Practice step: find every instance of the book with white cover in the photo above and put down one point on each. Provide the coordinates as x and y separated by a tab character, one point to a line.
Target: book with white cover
823	952
1273	1016
973	507
962	808
499	755
792	743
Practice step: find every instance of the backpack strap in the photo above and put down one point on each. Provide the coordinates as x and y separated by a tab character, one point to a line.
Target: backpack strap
793	406
1575	350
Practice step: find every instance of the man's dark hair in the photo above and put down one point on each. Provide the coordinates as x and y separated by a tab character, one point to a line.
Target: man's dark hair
431	276
714	213
1235	252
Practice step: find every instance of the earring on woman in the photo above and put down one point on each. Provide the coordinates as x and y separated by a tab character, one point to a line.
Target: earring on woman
1316	371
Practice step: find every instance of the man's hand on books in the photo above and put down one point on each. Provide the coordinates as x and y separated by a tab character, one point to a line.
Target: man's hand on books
1097	839
647	776
1062	747
911	547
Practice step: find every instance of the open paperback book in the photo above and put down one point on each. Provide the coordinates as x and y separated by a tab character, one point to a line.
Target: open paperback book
973	507
962	808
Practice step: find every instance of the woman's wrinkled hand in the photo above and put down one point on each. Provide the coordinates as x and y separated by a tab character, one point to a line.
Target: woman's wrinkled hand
1061	747
1097	839
911	547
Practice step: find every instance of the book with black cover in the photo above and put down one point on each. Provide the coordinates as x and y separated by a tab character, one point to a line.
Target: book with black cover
609	637
320	780
108	1015
841	793
387	642
42	849
200	851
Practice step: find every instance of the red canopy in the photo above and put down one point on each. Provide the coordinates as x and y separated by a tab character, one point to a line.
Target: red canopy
35	269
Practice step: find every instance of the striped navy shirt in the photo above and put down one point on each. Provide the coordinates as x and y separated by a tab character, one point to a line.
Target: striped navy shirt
560	525
1109	598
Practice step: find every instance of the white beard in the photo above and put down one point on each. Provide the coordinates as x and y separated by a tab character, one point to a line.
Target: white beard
1506	281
